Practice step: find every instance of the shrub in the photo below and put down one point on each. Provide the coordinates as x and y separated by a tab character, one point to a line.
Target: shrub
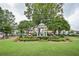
55	38
62	36
29	39
67	39
17	39
48	38
43	38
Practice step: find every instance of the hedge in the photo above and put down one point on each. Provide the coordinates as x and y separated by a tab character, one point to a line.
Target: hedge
48	38
29	39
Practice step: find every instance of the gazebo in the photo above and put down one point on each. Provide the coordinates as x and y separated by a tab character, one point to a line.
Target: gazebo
41	30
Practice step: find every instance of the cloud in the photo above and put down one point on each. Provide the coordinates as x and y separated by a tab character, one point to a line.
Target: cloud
71	13
17	9
73	19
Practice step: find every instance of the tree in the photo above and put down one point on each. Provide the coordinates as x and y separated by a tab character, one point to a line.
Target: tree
42	11
24	25
58	24
50	14
1	18
6	21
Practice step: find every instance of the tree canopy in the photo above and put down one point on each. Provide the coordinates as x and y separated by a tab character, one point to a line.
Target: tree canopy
50	13
24	25
7	21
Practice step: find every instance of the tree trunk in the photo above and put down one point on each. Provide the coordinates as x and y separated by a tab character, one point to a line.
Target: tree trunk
21	34
54	32
59	32
6	35
3	36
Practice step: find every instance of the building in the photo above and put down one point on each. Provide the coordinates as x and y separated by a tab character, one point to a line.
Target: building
41	30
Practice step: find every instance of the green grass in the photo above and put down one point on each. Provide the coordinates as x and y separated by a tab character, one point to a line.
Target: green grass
40	48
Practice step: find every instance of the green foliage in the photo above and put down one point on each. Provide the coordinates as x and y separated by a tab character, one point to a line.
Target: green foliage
1	18
24	26
6	21
42	11
43	38
62	36
58	24
49	13
17	39
67	39
34	38
29	39
57	40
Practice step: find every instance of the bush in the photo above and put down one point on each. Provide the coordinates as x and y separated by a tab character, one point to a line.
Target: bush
55	38
48	38
62	36
17	39
67	39
29	39
43	38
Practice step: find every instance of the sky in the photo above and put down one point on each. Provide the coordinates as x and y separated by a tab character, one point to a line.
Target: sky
17	9
71	12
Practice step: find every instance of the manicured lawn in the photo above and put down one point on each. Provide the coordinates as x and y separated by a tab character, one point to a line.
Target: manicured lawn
40	48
